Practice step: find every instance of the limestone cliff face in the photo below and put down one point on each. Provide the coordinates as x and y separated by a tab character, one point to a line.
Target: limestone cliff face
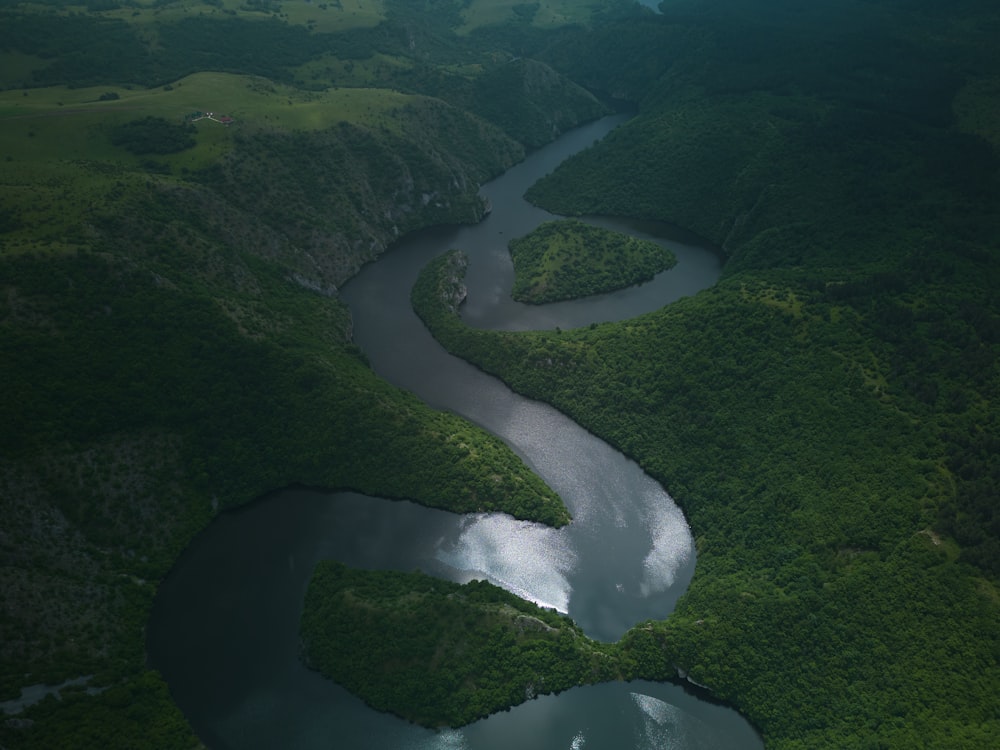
453	289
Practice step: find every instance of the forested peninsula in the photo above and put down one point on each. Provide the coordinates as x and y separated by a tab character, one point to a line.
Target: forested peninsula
183	189
478	649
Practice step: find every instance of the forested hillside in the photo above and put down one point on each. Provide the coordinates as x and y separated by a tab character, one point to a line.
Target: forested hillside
823	415
478	649
568	259
172	344
178	206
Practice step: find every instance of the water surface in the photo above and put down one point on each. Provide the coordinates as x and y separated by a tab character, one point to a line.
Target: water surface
225	625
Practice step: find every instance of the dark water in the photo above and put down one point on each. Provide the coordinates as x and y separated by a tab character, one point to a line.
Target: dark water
224	629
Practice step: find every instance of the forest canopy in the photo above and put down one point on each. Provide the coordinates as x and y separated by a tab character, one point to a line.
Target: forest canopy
439	653
568	259
826	414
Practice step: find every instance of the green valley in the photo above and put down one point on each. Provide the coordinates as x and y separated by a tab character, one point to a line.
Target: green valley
172	343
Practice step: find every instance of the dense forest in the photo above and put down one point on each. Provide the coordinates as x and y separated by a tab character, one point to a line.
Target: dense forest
173	341
821	414
478	649
568	259
173	344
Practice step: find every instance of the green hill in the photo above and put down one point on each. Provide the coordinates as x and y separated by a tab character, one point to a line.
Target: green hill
825	415
173	343
568	259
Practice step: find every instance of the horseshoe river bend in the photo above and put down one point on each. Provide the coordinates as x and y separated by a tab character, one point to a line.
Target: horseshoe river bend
224	629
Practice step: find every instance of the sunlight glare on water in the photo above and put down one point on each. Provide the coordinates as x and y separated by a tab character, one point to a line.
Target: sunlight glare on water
582	469
525	558
446	739
665	726
662	725
671	546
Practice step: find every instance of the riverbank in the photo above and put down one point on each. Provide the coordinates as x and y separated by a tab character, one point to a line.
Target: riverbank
614	506
813	413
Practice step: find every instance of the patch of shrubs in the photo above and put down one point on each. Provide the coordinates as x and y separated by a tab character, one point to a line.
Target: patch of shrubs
153	135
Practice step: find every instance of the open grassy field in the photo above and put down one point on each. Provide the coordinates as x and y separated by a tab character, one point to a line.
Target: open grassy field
369	72
320	16
335	15
56	147
241	97
549	14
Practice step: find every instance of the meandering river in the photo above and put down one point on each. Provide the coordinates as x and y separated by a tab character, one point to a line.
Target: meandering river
224	629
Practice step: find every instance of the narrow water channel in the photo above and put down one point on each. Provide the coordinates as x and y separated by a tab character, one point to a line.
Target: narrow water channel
225	624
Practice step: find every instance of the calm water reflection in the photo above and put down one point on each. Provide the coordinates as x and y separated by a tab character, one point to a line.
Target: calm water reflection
225	625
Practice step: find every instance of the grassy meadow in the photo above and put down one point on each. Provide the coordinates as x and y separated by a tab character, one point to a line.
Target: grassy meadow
321	17
57	151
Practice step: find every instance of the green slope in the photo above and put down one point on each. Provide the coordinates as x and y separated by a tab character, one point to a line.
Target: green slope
568	259
173	346
440	653
823	414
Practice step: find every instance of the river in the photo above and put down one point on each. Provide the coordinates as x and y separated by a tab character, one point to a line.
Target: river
224	629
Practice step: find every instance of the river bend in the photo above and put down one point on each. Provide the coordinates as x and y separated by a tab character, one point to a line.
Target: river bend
224	630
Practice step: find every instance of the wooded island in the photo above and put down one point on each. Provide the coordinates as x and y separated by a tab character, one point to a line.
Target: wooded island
568	259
